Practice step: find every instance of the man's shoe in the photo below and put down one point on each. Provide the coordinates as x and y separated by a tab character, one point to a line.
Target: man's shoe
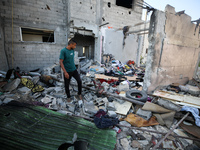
69	100
80	97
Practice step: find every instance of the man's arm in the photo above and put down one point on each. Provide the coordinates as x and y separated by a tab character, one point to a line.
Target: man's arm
63	68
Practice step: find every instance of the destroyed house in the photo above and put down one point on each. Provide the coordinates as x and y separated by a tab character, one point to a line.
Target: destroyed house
32	33
140	79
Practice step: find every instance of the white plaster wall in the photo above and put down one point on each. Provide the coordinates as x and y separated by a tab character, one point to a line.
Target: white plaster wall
113	44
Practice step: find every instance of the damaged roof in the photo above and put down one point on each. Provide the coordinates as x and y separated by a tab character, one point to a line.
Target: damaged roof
33	127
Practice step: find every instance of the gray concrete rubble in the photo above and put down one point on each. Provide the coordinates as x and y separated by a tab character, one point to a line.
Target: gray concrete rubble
106	94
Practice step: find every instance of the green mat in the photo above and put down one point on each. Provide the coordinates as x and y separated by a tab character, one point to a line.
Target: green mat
37	128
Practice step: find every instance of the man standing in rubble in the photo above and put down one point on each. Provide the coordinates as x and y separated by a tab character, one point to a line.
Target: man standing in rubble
68	66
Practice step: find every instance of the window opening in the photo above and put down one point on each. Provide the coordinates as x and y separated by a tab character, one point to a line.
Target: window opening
124	3
38	35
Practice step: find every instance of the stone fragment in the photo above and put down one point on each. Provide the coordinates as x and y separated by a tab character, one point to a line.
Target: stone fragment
47	99
169	105
168	145
194	90
35	79
112	114
7	100
123	86
36	95
12	85
24	90
111	106
125	144
121	135
70	107
118	145
105	86
144	114
119	100
125	123
183	88
136	144
140	136
90	108
58	89
143	142
147	136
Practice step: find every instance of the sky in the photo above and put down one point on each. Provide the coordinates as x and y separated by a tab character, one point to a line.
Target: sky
191	7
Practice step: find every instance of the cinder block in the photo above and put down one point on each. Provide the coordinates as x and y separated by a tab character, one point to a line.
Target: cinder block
144	114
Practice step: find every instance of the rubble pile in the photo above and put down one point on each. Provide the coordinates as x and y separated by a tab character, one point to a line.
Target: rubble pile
113	90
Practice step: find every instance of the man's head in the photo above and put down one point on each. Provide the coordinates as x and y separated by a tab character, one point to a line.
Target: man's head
72	44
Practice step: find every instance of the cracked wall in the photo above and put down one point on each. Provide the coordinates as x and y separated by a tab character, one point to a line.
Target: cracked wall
173	49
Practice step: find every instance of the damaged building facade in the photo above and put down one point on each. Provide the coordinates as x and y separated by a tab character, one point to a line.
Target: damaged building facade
173	52
32	33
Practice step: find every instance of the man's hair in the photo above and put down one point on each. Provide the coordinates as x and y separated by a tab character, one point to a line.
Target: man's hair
72	41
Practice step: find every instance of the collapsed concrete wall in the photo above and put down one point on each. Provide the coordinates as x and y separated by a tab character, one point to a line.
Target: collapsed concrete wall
173	49
41	16
113	44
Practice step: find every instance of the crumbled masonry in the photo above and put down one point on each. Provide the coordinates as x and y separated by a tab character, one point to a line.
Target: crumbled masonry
142	124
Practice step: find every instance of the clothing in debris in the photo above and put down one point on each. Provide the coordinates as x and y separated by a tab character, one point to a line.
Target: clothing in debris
195	113
102	120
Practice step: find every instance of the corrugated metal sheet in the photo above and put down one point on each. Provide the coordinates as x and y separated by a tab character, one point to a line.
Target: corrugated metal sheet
37	128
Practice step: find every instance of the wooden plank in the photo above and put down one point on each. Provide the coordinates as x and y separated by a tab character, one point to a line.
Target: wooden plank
102	76
179	98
